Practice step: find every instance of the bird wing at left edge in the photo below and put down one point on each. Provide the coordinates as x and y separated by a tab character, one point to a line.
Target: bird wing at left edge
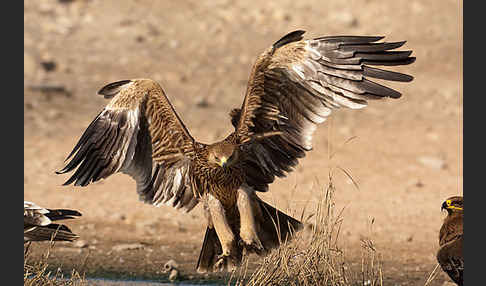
38	223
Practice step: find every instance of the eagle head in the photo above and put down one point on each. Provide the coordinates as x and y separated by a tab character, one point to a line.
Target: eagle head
453	204
223	154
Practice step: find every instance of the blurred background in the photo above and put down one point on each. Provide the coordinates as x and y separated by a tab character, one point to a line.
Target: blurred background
405	155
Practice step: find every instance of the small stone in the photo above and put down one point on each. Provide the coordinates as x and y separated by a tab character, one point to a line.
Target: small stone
128	246
171	264
80	243
432	162
202	102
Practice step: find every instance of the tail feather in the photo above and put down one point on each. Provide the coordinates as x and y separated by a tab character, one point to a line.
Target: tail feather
275	227
210	250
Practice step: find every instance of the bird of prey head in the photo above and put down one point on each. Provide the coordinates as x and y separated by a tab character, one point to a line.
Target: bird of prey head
453	204
223	154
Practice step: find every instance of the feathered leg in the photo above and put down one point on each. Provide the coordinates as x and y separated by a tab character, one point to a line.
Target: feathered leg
263	227
231	253
248	226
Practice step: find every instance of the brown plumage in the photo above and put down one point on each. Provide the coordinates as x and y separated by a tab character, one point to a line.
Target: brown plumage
38	223
450	255
293	86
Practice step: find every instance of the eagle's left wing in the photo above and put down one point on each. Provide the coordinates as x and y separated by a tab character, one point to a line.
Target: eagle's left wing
295	84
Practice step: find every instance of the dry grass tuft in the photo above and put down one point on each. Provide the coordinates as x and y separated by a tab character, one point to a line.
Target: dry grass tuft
432	274
313	256
36	273
371	268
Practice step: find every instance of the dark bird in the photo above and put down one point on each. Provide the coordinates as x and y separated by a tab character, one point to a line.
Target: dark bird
449	255
38	223
293	86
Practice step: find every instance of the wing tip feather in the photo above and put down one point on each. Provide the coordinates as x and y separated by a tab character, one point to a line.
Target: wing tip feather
293	36
110	90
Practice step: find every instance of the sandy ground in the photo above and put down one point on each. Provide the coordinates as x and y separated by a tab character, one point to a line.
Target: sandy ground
406	156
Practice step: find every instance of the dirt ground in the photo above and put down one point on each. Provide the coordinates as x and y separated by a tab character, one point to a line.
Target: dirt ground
406	156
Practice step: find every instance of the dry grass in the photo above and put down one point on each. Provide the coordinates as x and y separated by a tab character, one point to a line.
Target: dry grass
37	273
313	256
432	274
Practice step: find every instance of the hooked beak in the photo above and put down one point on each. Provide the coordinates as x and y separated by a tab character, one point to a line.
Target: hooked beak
223	162
445	205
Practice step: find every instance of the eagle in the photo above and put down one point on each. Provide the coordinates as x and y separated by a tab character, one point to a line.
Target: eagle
39	226
450	255
293	86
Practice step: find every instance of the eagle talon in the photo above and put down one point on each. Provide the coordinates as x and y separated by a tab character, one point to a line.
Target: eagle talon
225	262
221	263
253	246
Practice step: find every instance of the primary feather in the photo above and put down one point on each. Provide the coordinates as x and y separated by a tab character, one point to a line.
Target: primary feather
296	85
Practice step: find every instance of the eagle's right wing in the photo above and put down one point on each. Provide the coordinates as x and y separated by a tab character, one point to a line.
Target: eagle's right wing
140	134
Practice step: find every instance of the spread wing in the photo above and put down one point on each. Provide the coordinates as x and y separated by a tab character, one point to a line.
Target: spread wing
295	84
140	134
38	223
